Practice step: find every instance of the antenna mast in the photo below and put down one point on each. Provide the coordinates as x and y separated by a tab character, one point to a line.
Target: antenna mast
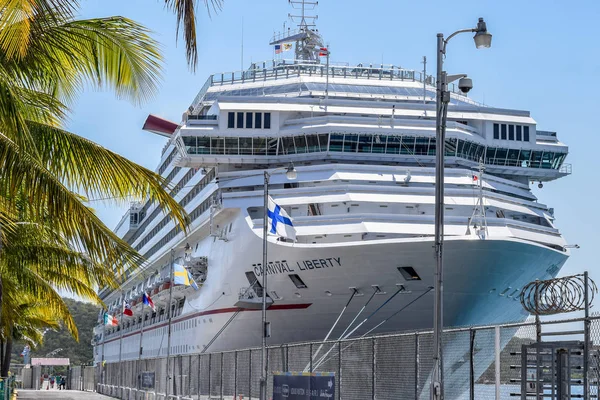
307	37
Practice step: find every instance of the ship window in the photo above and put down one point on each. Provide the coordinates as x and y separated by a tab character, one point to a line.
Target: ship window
511	132
231	120
249	120
526	133
245	145
519	133
503	132
258	120
297	281
268	120
240	120
231	146
409	273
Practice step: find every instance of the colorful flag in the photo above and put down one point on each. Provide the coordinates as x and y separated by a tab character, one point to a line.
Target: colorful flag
475	178
183	277
127	309
110	320
148	301
278	49
323	52
280	223
287	46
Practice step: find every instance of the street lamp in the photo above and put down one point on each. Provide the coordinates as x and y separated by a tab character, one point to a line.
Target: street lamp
482	39
291	174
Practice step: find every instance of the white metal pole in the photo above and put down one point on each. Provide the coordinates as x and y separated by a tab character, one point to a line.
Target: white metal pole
437	378
264	373
327	79
139	377
169	314
497	360
121	341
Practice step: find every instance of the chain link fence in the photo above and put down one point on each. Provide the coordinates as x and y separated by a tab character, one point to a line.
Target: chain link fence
479	363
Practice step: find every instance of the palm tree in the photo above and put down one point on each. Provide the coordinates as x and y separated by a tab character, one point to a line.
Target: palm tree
34	266
49	58
15	41
27	322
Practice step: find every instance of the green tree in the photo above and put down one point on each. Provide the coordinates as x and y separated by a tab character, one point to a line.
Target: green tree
47	173
80	352
49	238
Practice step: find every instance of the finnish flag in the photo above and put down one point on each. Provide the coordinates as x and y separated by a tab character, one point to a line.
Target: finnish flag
280	223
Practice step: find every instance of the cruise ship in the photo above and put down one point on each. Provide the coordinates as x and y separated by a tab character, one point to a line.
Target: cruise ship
361	139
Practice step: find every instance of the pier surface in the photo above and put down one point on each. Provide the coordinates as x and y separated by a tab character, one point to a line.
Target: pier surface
59	394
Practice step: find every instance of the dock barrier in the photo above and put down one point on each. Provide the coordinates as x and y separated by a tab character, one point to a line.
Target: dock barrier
479	363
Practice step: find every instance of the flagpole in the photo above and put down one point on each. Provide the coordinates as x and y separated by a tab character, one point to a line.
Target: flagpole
121	338
103	341
263	373
169	314
141	348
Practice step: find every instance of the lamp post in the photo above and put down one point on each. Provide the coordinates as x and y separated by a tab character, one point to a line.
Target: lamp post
291	174
482	40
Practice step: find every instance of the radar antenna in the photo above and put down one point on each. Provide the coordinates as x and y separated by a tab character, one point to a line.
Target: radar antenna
307	37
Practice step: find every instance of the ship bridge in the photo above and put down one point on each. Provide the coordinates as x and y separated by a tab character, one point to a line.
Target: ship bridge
293	111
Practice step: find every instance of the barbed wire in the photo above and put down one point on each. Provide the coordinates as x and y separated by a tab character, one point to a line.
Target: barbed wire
559	295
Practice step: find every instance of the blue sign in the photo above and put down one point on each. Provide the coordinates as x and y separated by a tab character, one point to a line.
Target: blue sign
303	386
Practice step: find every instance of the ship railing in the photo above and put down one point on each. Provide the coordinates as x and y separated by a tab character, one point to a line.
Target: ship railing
566	168
284	69
247	293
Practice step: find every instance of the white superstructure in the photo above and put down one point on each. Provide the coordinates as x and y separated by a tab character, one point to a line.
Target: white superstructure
362	205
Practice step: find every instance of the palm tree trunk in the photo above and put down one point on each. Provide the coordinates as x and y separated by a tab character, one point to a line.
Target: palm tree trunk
6	359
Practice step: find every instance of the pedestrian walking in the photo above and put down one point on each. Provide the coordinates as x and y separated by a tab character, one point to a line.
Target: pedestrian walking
63	383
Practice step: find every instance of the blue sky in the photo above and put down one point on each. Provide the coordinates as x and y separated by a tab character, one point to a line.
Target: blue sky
544	58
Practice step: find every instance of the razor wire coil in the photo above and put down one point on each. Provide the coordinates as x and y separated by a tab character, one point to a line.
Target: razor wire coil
559	295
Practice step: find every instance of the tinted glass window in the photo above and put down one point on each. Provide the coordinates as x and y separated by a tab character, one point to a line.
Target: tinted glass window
503	136
240	120
249	120
511	132
519	133
268	120
526	133
258	120
496	131
231	120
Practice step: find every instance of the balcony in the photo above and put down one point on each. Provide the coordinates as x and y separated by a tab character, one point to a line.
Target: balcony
202	119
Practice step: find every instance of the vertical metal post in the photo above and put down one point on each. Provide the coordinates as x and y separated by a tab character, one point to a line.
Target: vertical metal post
339	369
250	374
373	367
424	80
169	314
139	370
199	376
472	364
310	349
497	360
263	372
120	378
437	378
416	366
586	338
235	360
102	362
327	81
221	380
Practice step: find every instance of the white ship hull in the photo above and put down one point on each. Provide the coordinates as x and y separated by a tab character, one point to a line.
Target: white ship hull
482	279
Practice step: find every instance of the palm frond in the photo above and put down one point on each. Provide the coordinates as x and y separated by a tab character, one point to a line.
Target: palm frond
50	200
186	21
96	171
